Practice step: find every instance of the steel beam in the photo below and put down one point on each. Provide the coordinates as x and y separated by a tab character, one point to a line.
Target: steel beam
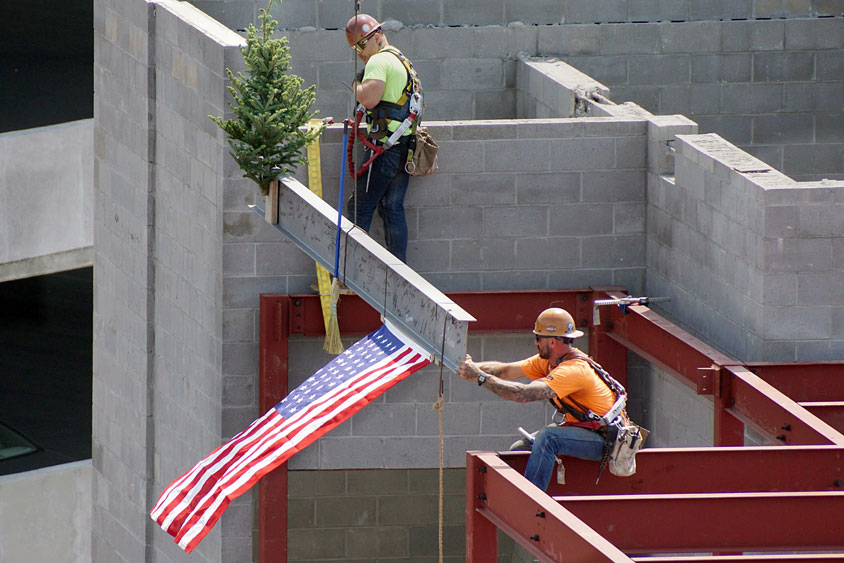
831	412
705	470
734	522
773	413
392	288
533	519
664	344
804	381
756	558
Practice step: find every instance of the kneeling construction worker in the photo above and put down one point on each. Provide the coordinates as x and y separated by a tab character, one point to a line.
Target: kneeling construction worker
580	390
386	89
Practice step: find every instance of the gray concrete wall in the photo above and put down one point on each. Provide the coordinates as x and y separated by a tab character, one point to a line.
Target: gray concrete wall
327	14
158	361
46	199
45	515
772	87
752	258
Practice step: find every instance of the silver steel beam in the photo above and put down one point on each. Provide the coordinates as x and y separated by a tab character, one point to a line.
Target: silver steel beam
389	285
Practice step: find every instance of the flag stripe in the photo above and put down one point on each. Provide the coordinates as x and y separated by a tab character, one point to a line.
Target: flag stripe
190	506
238	482
236	459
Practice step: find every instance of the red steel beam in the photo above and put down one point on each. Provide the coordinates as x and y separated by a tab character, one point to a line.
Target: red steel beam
664	344
773	413
734	522
532	518
705	470
804	381
770	558
274	327
831	412
495	311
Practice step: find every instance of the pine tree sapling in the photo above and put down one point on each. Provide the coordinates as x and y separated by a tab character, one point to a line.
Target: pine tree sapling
267	136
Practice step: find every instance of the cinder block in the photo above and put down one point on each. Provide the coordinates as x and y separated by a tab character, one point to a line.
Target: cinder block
644	96
584	11
829	127
785	8
547	187
829	65
239	325
659	69
622	251
674	100
540	12
612	186
292	15
442	43
309	544
449	105
408	13
504	42
527	155
473	74
735	129
783	67
644	39
450	222
821	220
806	159
582	153
829	8
744	36
752	99
814	33
795	255
484	254
515	279
720	9
690	37
630	152
796	323
385	420
605	69
484	189
569	40
658	11
581	220
495	104
792	128
729	67
515	221
473	12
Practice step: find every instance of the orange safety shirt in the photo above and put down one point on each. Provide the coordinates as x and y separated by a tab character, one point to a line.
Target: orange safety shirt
573	378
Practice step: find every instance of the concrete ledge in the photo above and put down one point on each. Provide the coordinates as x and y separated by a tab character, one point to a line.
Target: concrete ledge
47	264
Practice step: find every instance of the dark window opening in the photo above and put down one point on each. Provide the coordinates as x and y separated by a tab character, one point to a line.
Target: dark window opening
46	326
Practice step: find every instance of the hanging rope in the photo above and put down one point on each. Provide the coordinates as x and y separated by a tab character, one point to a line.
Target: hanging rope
438	406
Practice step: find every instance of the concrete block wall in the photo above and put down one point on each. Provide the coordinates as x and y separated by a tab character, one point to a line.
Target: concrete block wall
550	88
752	256
770	86
159	383
294	14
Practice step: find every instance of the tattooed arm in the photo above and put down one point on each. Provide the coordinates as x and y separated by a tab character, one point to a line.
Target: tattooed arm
500	384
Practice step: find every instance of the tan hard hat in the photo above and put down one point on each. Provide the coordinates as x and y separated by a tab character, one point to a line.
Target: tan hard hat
360	26
556	322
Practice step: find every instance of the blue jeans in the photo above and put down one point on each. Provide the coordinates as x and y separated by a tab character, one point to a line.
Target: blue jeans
387	187
555	440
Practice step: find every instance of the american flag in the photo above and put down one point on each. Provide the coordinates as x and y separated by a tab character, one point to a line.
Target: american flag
191	505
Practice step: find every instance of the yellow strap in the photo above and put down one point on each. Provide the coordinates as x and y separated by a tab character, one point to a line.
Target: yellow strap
315	184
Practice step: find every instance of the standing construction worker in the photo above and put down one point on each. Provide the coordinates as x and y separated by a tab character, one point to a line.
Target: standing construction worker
385	88
569	379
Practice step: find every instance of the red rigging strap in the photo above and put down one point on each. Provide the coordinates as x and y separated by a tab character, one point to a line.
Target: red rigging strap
350	149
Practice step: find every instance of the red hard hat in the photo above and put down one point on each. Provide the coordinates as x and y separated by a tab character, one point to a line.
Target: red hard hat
359	27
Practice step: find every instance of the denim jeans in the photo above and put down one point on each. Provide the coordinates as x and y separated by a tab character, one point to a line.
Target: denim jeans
387	187
554	440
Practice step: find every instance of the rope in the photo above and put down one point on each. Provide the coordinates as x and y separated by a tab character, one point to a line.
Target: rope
438	406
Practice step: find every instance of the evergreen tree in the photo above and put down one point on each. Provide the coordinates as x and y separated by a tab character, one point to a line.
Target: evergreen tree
270	108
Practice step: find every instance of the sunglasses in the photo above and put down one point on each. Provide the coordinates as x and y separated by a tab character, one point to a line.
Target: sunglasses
361	45
542	336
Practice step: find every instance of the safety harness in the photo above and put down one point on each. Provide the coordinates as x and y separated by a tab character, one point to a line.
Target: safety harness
609	424
407	110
